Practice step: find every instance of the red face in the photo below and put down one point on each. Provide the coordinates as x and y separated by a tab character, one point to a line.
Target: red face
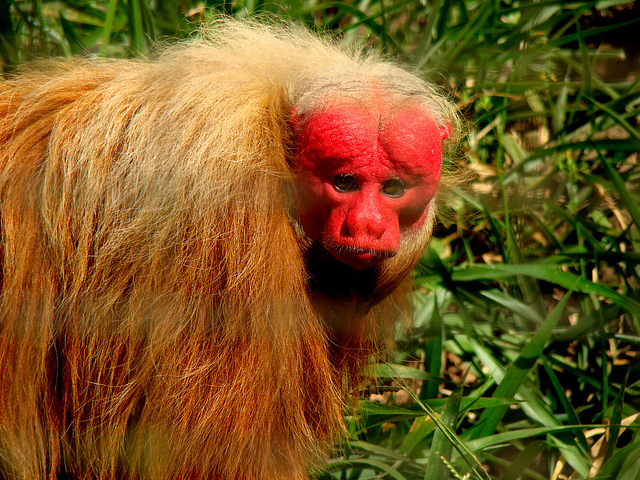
365	177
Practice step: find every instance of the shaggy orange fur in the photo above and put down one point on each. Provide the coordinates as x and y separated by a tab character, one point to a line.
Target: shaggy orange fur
160	316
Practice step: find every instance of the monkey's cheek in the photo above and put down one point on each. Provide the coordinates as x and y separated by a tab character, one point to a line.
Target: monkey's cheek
312	220
413	218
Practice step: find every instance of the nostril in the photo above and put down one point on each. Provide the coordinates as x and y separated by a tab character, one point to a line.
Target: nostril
375	229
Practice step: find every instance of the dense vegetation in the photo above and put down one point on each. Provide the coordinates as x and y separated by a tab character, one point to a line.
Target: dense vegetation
523	358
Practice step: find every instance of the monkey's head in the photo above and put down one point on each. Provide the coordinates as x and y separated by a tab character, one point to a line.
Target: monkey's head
367	172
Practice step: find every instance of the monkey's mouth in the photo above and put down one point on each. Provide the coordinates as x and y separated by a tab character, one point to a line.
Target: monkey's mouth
359	258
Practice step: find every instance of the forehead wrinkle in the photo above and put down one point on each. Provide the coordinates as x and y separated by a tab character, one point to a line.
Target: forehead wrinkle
413	139
343	135
372	138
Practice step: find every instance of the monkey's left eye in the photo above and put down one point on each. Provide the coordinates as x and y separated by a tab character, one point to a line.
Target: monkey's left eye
394	188
345	183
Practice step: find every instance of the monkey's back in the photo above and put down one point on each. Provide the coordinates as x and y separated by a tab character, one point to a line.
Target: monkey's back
148	326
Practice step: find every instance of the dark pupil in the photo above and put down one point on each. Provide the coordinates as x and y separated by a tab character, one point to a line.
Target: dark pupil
345	183
394	188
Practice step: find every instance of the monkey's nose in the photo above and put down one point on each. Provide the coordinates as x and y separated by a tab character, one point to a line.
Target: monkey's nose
364	223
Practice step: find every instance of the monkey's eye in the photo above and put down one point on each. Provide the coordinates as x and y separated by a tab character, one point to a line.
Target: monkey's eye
345	183
393	188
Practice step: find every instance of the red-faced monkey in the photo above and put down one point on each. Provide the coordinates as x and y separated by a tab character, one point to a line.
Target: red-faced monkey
199	251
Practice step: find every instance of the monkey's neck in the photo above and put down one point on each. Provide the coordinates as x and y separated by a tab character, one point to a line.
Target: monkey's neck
329	278
341	295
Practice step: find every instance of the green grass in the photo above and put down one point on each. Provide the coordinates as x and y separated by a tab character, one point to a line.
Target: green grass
523	360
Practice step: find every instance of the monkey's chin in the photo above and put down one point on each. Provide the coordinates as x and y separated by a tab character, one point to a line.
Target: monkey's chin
360	258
